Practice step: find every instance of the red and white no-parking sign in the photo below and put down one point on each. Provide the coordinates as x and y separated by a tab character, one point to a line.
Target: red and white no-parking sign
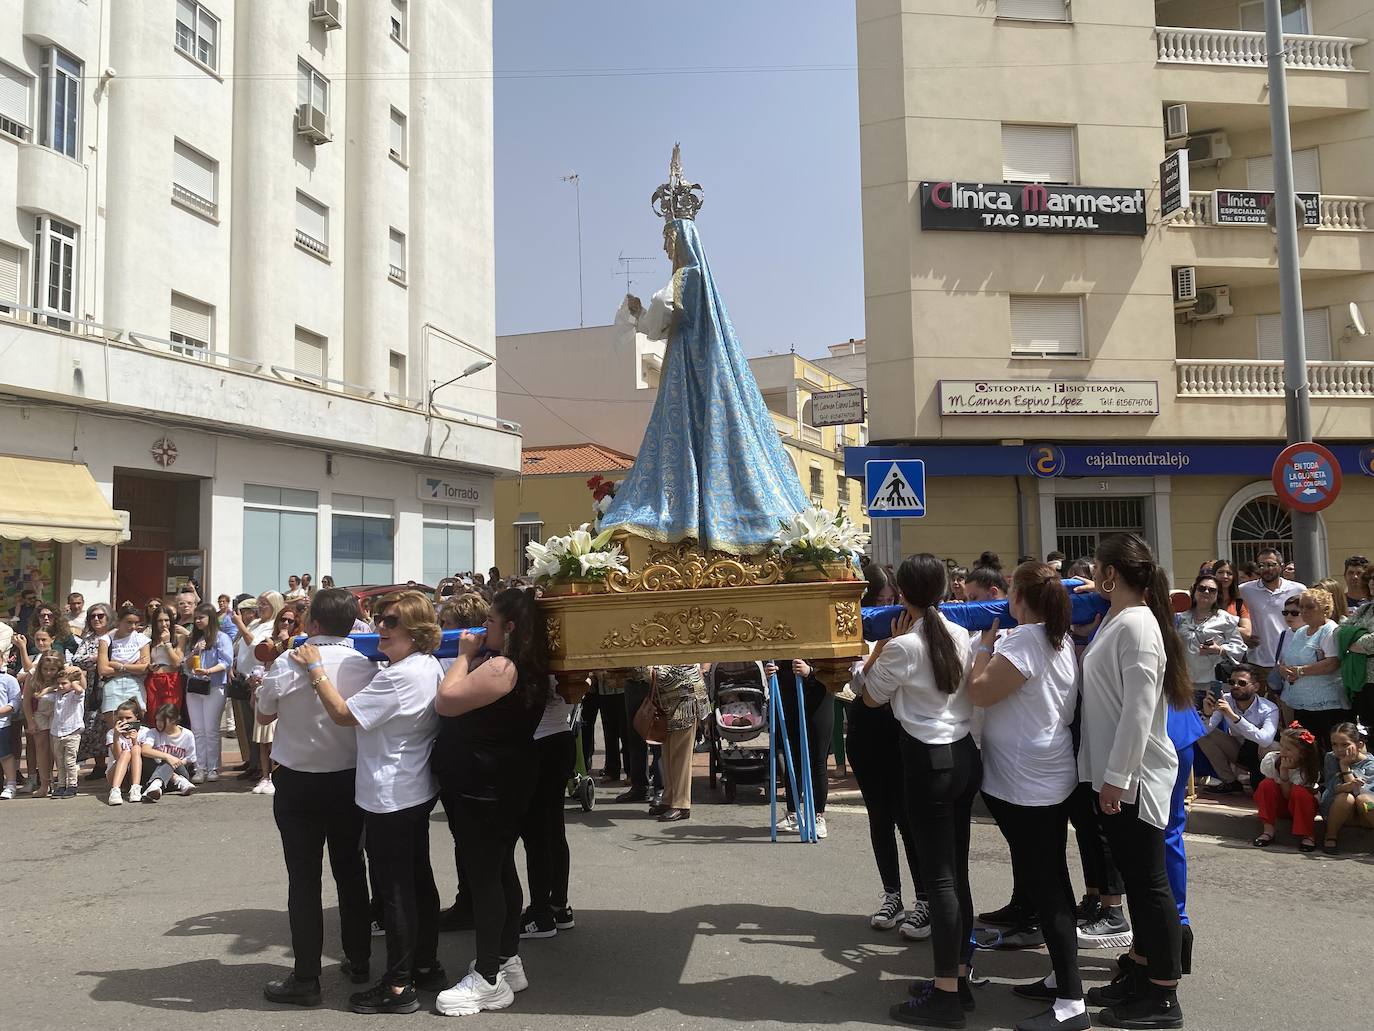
1306	477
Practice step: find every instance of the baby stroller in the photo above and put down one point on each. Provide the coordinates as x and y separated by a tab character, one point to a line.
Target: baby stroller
738	728
580	786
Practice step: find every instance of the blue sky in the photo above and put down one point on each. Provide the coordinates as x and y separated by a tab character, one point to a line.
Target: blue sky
775	144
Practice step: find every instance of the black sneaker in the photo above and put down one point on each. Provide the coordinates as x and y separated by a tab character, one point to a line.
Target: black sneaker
458	917
633	795
1230	787
355	972
1111	930
932	1008
563	918
1089	909
538	924
1027	936
1155	1007
1129	982
96	774
1047	1021
1036	990
431	979
918	987
291	991
1010	915
381	999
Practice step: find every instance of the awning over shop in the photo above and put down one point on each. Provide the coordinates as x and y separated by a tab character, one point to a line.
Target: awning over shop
46	500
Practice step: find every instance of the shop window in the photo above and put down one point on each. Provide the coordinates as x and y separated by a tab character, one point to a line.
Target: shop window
362	549
1081	523
448	541
280	528
1259	525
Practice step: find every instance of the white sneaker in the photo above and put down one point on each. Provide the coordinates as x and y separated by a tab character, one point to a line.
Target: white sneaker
473	994
199	777
7	793
182	785
153	793
916	925
135	792
264	787
115	798
257	788
377	930
821	830
514	969
788	823
212	776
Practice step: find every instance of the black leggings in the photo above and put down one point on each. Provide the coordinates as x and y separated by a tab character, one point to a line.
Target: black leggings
1139	850
1038	837
874	749
398	850
941	783
547	859
820	733
1099	870
611	707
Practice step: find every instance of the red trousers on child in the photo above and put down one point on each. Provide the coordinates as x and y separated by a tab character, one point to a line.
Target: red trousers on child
1301	805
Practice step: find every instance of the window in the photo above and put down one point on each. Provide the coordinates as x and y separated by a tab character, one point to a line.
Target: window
1038	154
193	324
817	483
399	22
448	537
398	136
396	375
1316	331
198	34
1294	16
1261	524
61	102
528	530
312	225
54	281
195	180
1034	10
397	269
311	357
1046	325
311	87
361	551
11	261
1307	175
280	530
14	103
1081	522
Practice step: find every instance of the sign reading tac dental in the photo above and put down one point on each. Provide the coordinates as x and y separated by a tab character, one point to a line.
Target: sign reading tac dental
1251	207
1032	208
1173	183
837	407
1048	397
468	493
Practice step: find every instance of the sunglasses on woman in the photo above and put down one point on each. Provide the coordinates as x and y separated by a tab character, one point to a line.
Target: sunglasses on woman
389	622
1291	612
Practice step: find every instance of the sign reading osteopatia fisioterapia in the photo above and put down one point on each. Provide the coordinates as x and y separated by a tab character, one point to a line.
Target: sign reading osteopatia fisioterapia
838	407
1048	397
1033	208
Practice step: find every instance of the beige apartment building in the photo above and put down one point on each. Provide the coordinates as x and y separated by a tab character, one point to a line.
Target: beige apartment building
1066	359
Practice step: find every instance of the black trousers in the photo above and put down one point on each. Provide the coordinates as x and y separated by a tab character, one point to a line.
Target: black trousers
1320	722
1139	851
1038	837
547	860
398	849
873	747
820	733
315	811
642	773
1094	852
611	708
463	899
941	783
488	829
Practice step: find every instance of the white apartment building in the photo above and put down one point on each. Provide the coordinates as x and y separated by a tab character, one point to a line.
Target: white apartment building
240	241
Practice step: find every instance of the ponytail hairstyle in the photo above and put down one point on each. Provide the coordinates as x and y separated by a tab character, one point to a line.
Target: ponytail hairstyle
1130	558
921	582
1039	588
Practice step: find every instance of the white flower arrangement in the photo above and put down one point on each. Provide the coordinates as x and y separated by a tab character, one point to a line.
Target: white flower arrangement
577	555
819	535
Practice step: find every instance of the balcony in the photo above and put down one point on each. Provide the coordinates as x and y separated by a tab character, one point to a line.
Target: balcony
1350	214
1243	378
1234	47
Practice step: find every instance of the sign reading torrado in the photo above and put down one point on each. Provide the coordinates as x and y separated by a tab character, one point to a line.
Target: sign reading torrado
1033	208
1048	397
467	493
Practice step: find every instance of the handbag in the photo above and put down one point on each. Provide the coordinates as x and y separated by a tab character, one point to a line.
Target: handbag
649	722
1275	681
237	689
197	683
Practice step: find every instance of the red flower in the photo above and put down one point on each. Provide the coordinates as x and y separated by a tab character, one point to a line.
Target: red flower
595	482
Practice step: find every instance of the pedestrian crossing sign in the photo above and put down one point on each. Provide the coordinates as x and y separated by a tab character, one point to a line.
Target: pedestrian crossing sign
895	490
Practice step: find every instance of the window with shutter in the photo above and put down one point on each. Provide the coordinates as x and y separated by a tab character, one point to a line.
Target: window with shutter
1047	326
398	136
398	21
396	375
192	323
1038	154
312	225
11	261
311	357
195	179
1294	17
14	103
1307	176
397	268
1034	10
1316	331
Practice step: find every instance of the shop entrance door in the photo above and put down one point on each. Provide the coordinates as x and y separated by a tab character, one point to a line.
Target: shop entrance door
164	517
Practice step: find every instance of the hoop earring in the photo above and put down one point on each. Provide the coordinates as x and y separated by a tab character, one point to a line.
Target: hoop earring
1102	588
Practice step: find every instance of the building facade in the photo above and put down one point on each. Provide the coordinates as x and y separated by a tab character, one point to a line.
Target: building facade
1057	324
240	241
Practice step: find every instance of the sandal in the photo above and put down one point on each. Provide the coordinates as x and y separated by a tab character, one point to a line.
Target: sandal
1330	847
1307	845
1263	841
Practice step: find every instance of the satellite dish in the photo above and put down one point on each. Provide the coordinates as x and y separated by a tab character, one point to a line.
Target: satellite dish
1357	321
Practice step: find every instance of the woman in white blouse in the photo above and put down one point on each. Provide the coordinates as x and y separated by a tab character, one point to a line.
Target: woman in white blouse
1210	635
1133	671
921	670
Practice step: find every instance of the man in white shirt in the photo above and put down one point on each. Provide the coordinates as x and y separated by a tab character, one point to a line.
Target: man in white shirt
293	588
1241	728
314	801
76	612
1264	600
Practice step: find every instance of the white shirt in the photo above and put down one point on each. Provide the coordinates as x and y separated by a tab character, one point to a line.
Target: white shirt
127	649
1125	739
1269	766
68	713
182	744
397	725
1259	723
11	694
1266	616
557	714
1027	744
902	675
305	738
258	631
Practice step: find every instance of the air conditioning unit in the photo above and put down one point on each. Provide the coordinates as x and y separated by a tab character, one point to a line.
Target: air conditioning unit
1176	122
1209	148
1185	286
1213	302
326	12
313	124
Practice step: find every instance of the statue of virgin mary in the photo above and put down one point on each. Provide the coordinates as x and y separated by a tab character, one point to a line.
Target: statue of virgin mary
711	466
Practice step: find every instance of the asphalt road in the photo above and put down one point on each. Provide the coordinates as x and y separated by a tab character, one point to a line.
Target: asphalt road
173	915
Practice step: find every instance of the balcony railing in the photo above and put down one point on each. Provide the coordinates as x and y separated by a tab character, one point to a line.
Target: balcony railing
1234	47
396	274
1351	214
314	246
1242	378
190	199
811	434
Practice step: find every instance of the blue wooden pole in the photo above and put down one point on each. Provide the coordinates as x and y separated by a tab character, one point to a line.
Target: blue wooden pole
782	736
808	817
772	767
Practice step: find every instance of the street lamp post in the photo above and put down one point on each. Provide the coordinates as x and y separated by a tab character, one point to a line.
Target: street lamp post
472	369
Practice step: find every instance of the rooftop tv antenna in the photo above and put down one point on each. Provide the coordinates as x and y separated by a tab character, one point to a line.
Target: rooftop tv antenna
627	268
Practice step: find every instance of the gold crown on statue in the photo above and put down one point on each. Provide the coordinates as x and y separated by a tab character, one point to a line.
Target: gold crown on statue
677	198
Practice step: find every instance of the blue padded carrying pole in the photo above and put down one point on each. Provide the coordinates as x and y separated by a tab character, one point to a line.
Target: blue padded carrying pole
807	810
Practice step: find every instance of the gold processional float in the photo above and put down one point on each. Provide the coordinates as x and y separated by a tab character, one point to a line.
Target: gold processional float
708	550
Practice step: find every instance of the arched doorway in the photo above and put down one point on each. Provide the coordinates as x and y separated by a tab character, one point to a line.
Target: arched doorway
1253	521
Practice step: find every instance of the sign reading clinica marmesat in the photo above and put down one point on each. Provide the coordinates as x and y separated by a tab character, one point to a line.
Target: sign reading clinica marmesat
1032	208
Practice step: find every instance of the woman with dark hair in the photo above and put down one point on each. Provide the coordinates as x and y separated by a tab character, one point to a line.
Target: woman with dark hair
1228	598
208	656
1026	679
54	621
1135	668
493	709
921	671
873	746
1210	635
